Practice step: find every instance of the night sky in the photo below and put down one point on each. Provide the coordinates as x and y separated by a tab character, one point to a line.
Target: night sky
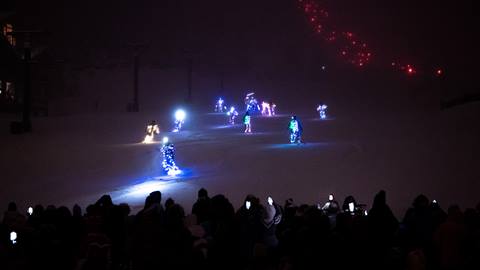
270	39
426	32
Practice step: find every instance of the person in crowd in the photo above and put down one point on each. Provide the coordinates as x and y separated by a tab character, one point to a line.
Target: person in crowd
450	241
201	208
259	235
418	222
12	219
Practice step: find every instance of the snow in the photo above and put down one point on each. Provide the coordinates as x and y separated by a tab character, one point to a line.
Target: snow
76	159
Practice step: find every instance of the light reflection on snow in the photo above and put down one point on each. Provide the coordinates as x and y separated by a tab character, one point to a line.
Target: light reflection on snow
148	139
142	190
225	126
164	183
296	145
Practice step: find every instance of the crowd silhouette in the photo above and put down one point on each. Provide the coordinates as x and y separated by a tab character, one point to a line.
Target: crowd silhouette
257	235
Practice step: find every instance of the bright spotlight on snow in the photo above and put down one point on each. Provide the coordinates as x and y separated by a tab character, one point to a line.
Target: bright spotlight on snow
180	115
143	189
174	171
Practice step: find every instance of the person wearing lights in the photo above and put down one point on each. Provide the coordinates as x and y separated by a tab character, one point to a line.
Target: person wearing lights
168	163
232	114
247	122
219	107
152	129
266	109
251	103
295	130
180	116
322	110
272	108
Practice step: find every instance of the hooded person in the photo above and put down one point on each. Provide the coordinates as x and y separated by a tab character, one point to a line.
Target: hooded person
382	227
272	216
201	208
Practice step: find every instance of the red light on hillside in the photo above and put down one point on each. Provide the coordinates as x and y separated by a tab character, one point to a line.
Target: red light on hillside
410	70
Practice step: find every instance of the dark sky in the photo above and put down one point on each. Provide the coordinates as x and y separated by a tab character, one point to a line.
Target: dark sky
232	36
407	27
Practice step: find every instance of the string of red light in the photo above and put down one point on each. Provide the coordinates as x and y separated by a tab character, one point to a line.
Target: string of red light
350	48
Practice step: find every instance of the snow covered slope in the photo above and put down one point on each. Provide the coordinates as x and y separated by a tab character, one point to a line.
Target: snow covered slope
76	159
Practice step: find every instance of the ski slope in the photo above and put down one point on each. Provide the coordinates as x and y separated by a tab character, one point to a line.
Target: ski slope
76	159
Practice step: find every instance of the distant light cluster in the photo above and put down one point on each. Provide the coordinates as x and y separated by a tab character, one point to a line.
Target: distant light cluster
348	45
410	69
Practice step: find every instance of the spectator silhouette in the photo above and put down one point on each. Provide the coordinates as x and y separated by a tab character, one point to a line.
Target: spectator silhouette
260	236
271	217
382	226
177	241
249	217
449	241
472	226
169	203
148	232
438	215
12	219
222	234
418	223
201	208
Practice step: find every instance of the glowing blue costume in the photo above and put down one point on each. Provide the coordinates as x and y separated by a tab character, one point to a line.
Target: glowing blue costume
178	125
252	103
232	114
179	120
219	107
322	110
168	163
295	130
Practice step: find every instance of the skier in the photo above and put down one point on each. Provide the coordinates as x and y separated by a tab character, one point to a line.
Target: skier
295	130
322	110
246	121
152	129
266	109
232	114
251	102
219	107
168	163
272	108
248	98
179	120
